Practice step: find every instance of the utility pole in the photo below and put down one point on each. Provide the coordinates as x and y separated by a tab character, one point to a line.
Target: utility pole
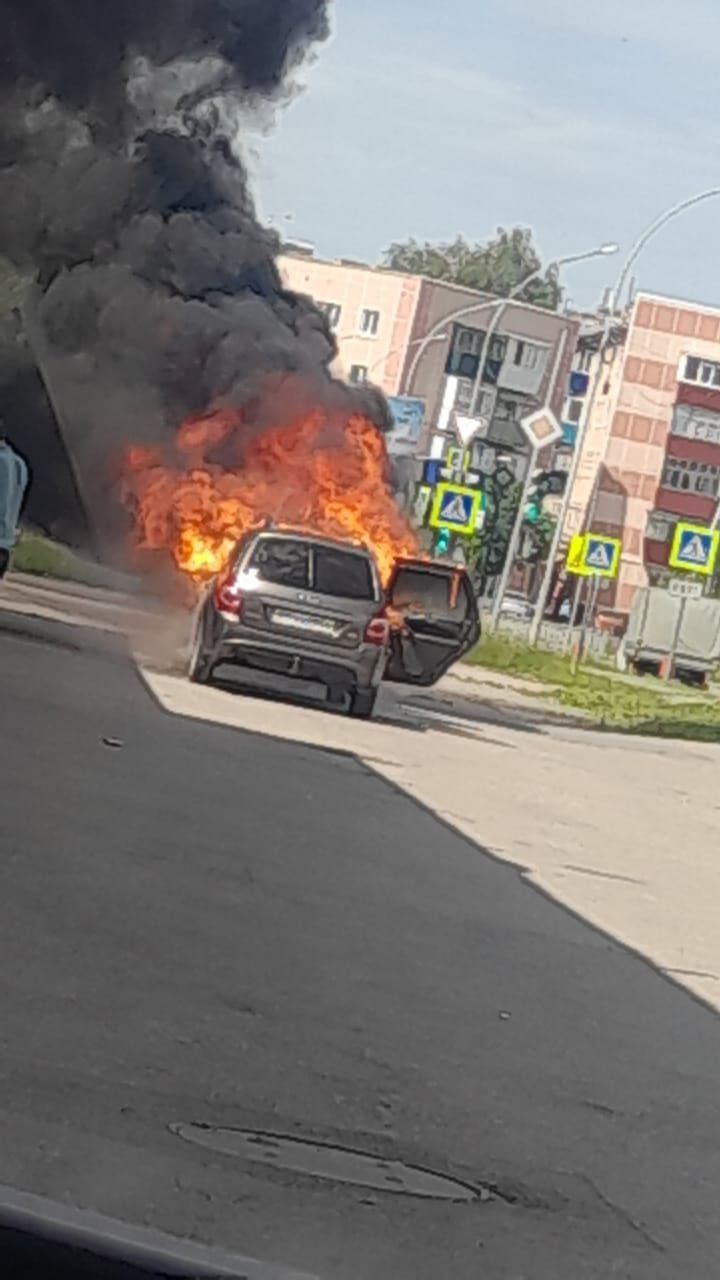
520	516
558	532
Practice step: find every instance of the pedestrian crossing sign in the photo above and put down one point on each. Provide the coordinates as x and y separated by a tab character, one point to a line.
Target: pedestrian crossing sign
456	508
594	555
694	549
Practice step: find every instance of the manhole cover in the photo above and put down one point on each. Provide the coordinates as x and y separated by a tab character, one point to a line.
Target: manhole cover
336	1164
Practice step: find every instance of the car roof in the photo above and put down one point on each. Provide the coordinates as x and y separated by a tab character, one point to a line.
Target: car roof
315	540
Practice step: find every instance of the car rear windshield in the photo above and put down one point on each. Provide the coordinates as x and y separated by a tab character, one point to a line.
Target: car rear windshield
330	571
443	595
342	573
283	561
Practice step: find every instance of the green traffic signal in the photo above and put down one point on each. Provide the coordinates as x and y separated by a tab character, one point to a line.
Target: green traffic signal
442	542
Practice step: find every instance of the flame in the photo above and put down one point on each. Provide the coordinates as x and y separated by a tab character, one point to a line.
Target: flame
316	473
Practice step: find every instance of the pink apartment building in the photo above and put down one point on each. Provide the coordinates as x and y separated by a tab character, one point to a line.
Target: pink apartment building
651	454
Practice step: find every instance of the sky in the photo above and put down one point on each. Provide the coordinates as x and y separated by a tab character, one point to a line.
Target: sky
581	120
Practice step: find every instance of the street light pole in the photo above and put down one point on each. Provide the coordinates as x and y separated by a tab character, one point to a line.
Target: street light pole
436	330
648	233
497	306
602	251
614	302
503	303
436	337
546	584
516	534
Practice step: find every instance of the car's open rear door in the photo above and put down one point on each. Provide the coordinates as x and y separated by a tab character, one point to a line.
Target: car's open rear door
434	620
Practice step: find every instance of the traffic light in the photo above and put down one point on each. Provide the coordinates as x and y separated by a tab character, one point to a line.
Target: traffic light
442	542
543	484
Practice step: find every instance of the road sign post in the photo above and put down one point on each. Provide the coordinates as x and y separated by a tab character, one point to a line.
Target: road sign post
594	556
694	550
513	543
541	429
580	651
577	591
669	667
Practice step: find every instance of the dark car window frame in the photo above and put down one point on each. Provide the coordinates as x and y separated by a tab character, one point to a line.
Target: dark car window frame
248	554
265	544
320	551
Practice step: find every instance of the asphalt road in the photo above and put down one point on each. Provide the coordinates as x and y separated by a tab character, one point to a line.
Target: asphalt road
202	925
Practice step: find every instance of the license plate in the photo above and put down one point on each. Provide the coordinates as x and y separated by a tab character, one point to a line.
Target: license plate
302	622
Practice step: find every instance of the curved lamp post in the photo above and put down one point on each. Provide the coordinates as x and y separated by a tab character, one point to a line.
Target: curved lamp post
435	337
497	305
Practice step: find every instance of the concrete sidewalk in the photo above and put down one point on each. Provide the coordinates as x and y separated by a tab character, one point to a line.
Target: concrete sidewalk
622	831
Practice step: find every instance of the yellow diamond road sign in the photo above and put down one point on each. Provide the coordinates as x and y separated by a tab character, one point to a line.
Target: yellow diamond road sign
694	549
455	508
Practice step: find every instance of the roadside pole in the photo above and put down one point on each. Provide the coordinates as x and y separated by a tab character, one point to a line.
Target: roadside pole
579	649
549	433
675	642
546	584
689	589
514	542
589	618
573	612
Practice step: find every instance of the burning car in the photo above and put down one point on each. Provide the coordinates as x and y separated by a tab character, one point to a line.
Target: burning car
298	605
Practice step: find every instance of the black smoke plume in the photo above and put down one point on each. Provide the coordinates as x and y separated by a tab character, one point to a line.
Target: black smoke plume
155	293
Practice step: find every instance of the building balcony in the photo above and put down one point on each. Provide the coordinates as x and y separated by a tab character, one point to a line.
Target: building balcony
694	507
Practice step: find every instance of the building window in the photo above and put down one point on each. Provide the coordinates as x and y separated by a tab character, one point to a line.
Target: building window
462	361
696	424
369	323
359	374
332	311
573	410
704	373
659	526
467	340
497	348
526	355
689	476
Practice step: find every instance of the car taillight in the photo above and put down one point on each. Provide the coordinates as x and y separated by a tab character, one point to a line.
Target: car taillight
377	630
228	601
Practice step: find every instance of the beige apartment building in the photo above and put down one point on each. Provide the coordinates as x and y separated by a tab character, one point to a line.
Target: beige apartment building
371	313
382	318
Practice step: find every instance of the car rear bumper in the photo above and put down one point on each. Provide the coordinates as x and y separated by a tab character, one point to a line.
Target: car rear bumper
361	669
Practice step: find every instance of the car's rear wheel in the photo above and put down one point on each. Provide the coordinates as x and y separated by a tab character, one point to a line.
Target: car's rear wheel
362	703
200	666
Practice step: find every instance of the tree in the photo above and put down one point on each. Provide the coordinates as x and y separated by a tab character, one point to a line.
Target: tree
488	550
495	267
